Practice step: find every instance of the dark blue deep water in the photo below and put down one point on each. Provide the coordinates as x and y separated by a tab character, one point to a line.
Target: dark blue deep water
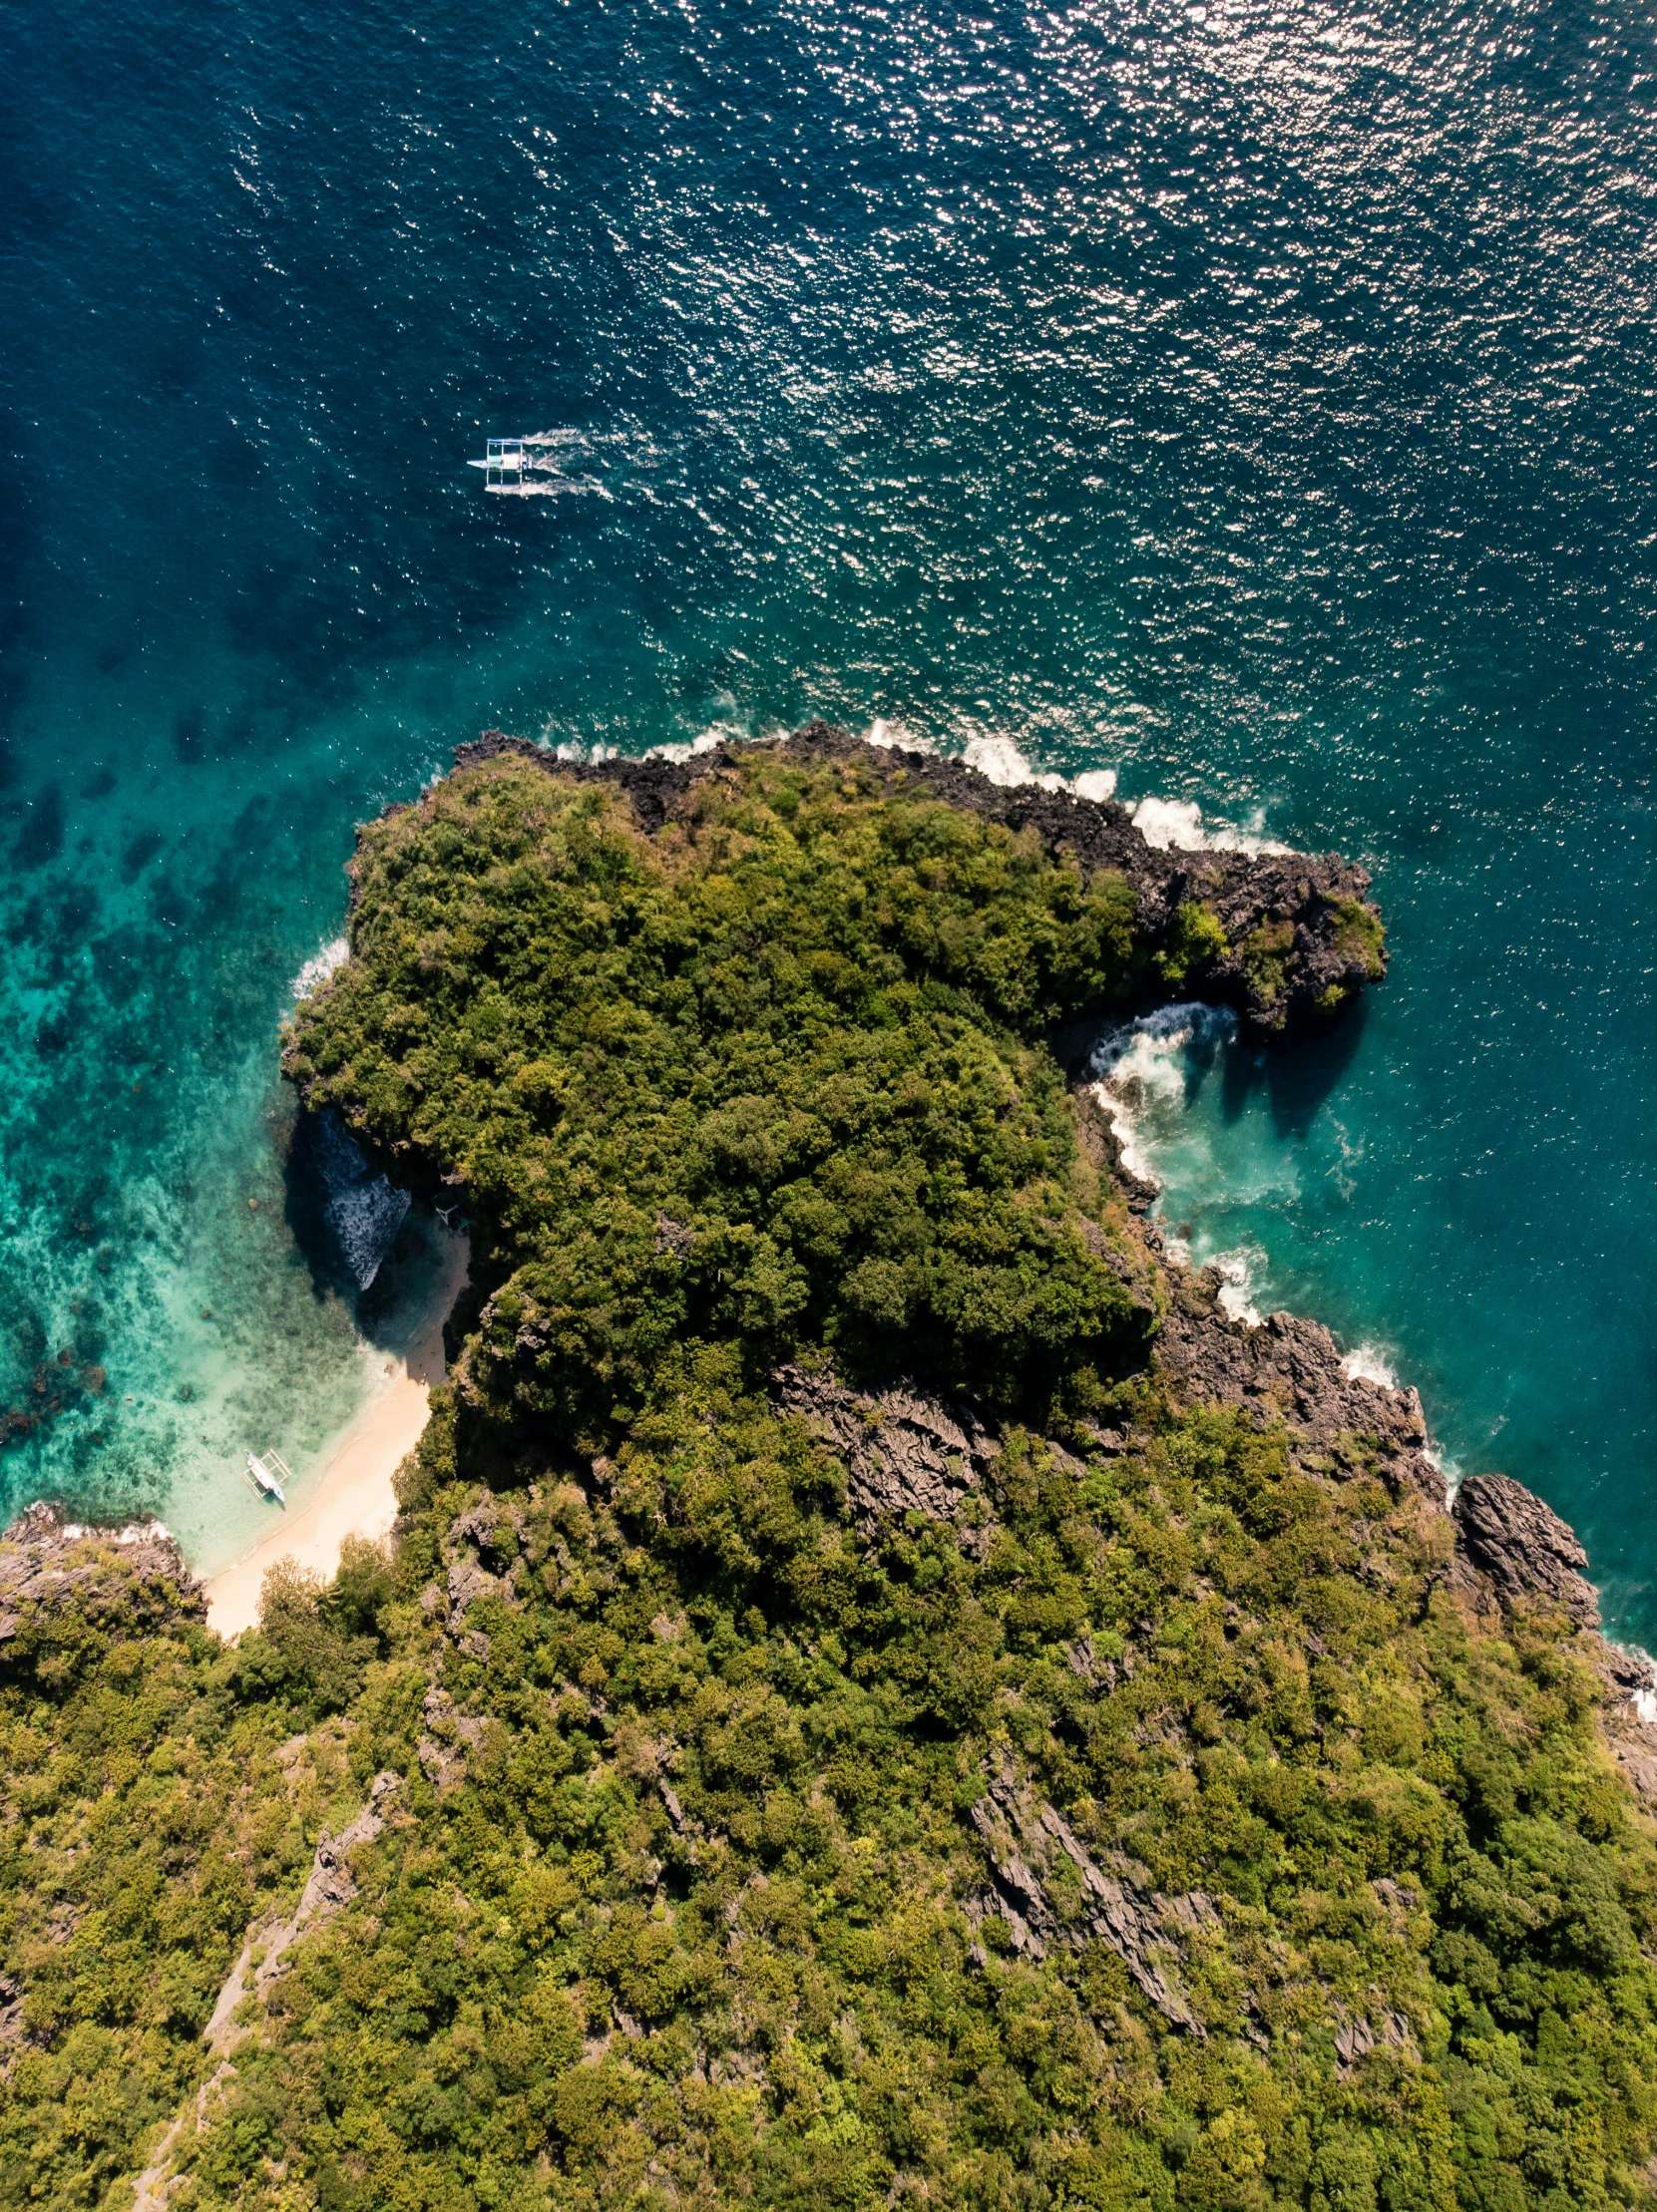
1258	401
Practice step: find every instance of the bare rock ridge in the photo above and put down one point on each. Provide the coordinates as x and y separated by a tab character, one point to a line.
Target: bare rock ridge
903	1452
906	1452
330	1886
1521	1548
1302	938
1027	1841
1290	1368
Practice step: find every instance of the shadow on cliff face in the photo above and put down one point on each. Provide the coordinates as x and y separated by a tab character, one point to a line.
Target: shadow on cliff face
362	1238
1295	1084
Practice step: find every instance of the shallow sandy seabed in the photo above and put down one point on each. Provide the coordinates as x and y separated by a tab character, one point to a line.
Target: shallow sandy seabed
354	1496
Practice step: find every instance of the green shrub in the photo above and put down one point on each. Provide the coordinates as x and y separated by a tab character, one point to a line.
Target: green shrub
1195	941
1357	931
774	1081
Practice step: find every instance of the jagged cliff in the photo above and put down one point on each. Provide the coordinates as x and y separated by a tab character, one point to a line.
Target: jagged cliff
884	1691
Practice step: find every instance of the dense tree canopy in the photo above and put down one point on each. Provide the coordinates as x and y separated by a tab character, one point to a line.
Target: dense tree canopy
690	1888
772	1078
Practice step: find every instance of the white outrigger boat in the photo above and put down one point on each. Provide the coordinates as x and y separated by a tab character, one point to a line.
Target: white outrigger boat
530	468
262	1472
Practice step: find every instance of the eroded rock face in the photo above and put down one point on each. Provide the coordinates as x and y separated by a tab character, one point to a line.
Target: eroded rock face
1293	1370
1522	1549
450	1735
132	1578
330	1886
1301	935
480	1554
903	1452
1027	1842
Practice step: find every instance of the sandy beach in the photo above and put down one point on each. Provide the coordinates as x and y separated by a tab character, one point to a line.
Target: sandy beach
354	1496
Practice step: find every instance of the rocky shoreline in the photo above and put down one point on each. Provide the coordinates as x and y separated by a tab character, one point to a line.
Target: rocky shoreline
121	1578
1506	1548
1317	1563
1301	936
1503	1549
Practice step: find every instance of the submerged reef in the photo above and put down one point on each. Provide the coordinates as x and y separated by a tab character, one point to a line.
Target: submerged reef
883	1691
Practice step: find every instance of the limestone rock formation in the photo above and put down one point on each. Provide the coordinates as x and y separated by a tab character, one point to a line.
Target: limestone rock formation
1522	1549
1291	1369
1027	1841
903	1452
134	1578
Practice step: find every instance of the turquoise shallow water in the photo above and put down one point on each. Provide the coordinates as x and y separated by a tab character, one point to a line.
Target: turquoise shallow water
1255	402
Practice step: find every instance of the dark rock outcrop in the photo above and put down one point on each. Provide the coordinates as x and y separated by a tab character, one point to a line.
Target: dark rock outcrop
1027	1842
1356	2036
1521	1548
903	1452
480	1552
1293	1370
1301	938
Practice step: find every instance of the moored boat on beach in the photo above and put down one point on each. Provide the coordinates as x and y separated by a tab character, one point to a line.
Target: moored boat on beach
262	1474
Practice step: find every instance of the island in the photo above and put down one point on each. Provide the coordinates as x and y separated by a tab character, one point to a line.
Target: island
881	1691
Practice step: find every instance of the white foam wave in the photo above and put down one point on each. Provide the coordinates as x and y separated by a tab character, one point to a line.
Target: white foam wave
1366	1363
1141	1065
890	737
721	733
1448	1469
1177	825
131	1532
1000	761
363	1210
319	968
1094	783
1236	1293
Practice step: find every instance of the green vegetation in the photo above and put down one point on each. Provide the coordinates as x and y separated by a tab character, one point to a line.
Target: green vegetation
1266	951
1195	938
773	1081
1357	931
681	1898
154	1801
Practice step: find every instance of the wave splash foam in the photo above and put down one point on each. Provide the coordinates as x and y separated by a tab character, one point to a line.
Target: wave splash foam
319	968
998	759
363	1211
1142	1065
1176	825
1236	1291
1366	1363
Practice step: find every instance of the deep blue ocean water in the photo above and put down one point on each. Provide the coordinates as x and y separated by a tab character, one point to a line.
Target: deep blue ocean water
1257	401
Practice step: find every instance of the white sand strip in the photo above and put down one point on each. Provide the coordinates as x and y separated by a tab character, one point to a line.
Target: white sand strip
354	1496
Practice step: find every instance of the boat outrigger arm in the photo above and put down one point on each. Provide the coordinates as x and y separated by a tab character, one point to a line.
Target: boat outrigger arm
532	467
262	1474
517	464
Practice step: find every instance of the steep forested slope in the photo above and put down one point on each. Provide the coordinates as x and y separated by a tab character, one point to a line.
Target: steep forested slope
883	1693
